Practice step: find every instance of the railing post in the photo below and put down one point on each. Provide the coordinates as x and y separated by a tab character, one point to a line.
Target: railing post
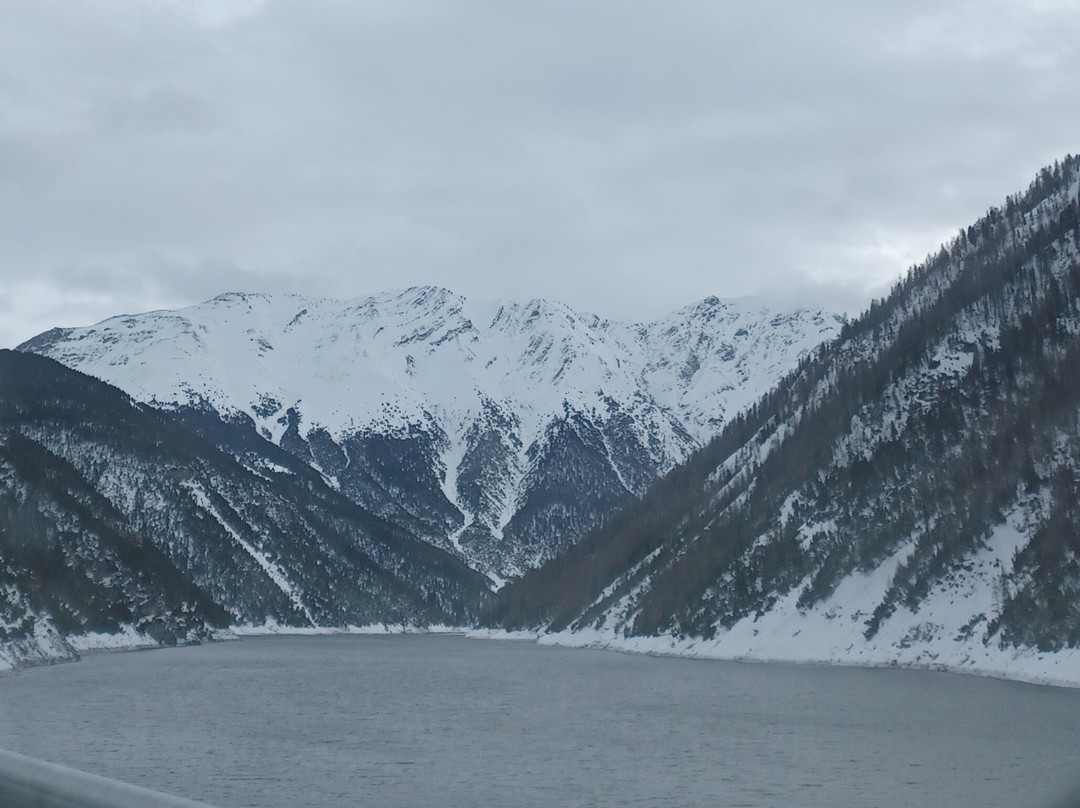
30	783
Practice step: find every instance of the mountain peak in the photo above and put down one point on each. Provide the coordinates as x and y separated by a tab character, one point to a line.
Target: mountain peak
470	377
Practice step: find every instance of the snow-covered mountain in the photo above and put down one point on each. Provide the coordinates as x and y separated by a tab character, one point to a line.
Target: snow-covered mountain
499	431
910	495
122	525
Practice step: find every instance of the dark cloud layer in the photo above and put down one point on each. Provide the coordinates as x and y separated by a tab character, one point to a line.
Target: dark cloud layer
624	157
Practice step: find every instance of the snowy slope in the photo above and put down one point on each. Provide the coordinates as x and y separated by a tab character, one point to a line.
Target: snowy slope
468	422
944	632
910	495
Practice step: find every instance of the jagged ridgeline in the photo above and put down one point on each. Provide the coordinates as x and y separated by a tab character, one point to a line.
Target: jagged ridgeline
115	516
924	467
498	431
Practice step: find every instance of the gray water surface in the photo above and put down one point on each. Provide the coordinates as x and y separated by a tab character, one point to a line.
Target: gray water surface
449	721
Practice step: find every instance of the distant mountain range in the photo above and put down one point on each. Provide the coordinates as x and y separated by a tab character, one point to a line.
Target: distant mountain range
499	432
728	481
910	494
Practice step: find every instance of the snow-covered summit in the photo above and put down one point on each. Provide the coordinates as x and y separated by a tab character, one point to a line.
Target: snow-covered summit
400	356
425	361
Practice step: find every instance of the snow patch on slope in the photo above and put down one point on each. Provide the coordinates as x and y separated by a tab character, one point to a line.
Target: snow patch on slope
272	570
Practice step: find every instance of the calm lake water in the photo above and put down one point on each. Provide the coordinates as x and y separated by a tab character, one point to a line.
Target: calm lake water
449	721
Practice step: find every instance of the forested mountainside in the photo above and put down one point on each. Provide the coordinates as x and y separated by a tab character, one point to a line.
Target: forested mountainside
911	493
118	518
500	432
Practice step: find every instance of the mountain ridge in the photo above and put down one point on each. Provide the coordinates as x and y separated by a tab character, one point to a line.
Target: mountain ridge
468	423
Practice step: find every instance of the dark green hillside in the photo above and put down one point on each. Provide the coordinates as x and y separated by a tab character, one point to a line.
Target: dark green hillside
947	408
70	557
114	514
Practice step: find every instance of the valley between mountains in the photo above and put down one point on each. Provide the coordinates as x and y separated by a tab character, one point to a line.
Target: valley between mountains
733	480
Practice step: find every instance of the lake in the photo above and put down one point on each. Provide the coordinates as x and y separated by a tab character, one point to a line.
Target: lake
416	720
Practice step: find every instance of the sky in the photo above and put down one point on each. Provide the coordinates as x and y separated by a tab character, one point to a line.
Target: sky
624	157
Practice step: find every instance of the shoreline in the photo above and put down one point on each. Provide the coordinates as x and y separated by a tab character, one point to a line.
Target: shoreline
713	650
1027	666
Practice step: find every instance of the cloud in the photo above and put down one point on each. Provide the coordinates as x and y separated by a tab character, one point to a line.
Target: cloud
616	156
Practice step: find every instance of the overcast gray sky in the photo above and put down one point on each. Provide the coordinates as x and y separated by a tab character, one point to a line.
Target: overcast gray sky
623	157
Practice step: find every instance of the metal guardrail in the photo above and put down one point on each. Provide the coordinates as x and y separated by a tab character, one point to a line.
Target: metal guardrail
30	783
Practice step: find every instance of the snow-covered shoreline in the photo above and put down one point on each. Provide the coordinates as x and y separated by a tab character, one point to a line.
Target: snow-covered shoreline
47	647
1053	669
950	629
1057	669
